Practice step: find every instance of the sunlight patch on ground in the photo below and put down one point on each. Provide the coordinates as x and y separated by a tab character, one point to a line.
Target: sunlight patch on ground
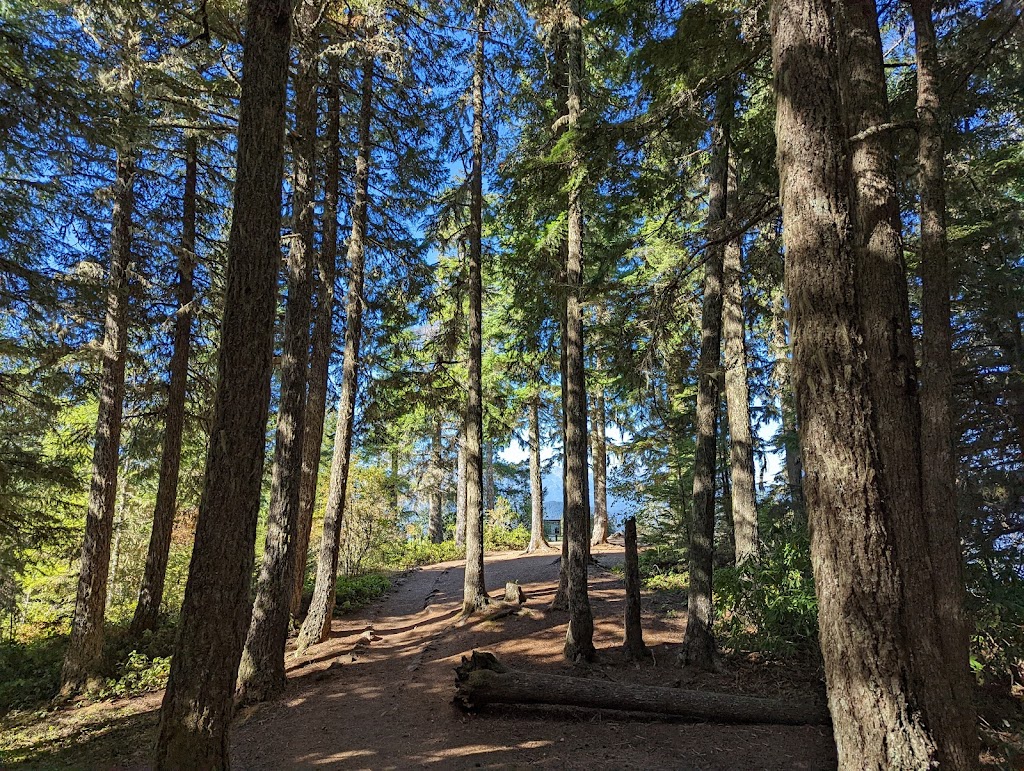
337	757
464	751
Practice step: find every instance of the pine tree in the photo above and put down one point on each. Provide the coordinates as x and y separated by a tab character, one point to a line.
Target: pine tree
475	590
954	723
197	705
881	710
320	355
151	592
85	649
579	644
261	672
317	624
743	495
699	641
537	539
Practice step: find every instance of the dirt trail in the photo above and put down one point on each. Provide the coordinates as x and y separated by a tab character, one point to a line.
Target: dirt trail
378	693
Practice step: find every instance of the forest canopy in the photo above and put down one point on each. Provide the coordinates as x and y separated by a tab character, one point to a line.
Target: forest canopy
295	296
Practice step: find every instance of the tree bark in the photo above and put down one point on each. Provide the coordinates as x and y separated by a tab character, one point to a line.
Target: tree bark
317	625
474	591
599	451
884	310
794	460
729	548
85	649
635	648
579	639
561	599
956	720
460	492
560	88
483	680
537	539
787	411
436	523
885	318
197	704
147	610
490	486
867	648
396	502
115	551
699	650
261	674
737	390
320	356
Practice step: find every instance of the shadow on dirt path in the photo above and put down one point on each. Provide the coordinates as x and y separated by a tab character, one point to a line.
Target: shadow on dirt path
378	693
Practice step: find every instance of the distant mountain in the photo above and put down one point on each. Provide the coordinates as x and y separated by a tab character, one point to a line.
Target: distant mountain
553	497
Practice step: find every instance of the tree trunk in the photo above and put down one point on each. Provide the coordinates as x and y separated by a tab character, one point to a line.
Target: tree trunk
537	539
787	411
490	487
320	356
561	599
794	461
460	491
85	649
261	672
867	650
955	726
699	648
885	318
147	610
635	648
317	625
215	614
599	450
676	422
729	548
436	522
579	639
483	680
560	87
475	593
115	551
396	502
737	391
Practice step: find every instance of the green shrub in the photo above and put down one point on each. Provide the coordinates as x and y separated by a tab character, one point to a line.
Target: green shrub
138	674
662	558
498	538
770	605
354	592
997	645
30	672
667	582
403	555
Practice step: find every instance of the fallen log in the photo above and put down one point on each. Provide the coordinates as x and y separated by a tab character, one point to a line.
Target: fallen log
483	680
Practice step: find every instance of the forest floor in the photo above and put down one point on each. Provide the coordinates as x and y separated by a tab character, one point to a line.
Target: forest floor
378	693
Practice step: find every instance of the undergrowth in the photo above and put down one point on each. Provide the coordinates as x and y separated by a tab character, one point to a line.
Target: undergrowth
30	670
355	592
769	605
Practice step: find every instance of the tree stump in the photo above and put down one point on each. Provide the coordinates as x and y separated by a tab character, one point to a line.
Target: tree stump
514	593
634	645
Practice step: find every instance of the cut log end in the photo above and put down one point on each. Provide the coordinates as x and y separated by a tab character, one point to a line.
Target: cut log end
477	661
